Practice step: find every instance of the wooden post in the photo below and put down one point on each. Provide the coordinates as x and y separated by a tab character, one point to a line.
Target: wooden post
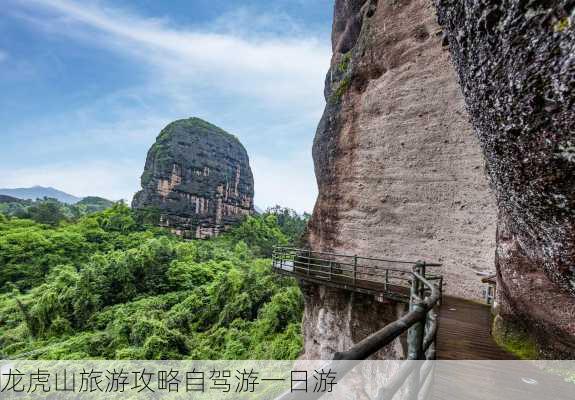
308	261
330	269
354	269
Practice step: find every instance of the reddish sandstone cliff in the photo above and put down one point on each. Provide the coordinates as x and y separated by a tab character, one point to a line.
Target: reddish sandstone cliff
399	170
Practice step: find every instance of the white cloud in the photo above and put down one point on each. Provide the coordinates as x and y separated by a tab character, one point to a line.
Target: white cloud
265	88
274	68
289	183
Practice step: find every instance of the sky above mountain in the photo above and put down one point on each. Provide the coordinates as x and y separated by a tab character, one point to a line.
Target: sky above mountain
87	86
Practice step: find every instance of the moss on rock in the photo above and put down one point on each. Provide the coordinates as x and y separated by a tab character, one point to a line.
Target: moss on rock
198	178
342	87
344	63
514	339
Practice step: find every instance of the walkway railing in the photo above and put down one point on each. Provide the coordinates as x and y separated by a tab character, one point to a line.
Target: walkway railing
389	278
399	280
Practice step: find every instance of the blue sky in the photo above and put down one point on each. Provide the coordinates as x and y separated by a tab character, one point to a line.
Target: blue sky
86	86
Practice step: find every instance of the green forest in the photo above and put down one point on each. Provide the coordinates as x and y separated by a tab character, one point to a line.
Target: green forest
106	285
51	211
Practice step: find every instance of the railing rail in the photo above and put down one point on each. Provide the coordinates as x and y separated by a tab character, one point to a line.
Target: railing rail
389	278
364	274
298	250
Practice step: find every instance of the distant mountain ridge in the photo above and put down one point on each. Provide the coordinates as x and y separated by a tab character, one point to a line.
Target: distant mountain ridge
39	192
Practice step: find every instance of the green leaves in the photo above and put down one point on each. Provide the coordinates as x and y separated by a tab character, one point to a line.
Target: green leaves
28	254
109	287
289	222
260	234
48	213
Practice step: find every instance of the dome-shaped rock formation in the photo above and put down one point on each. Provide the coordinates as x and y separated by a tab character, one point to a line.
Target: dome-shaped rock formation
198	177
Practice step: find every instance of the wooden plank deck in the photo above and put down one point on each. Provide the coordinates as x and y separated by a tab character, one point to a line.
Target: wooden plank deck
464	326
465	332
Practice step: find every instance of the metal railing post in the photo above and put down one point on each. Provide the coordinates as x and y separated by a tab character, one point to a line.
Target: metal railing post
420	323
431	323
440	291
417	331
354	269
415	334
420	269
385	288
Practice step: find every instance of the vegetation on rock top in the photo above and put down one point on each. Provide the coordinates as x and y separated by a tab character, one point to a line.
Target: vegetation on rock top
197	125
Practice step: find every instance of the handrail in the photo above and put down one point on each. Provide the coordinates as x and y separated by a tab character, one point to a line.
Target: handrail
420	322
387	334
323	266
359	257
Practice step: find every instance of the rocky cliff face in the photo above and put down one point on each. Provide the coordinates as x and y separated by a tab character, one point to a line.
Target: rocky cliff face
516	64
400	173
199	179
335	319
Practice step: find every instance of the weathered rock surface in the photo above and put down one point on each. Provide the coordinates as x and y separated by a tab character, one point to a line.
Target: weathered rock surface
400	173
199	178
336	319
516	64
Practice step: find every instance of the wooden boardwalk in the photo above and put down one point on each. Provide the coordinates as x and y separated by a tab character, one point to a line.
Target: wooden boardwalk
464	329
464	325
464	332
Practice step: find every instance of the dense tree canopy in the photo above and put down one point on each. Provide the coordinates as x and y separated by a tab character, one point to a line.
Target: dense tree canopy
109	286
51	211
290	222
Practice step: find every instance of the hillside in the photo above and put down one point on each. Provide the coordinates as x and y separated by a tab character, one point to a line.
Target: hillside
448	137
40	192
94	204
388	160
9	199
51	211
110	287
